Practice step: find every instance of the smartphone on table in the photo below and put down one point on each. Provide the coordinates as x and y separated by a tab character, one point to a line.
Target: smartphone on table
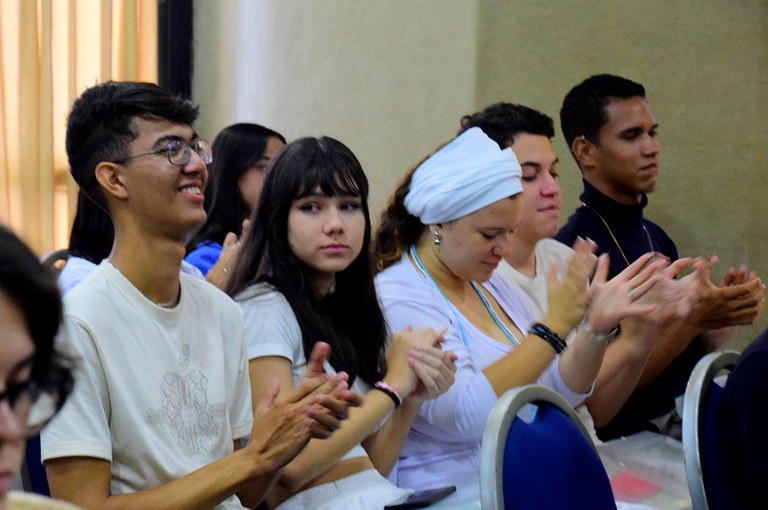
422	499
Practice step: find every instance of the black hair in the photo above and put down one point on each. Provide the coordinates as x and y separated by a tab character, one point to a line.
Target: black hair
350	318
92	232
583	111
235	150
33	289
101	125
502	121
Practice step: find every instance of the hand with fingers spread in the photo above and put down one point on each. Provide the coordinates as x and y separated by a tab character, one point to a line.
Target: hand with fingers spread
627	294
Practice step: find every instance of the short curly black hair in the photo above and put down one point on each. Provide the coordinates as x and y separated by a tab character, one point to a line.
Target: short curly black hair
583	111
502	121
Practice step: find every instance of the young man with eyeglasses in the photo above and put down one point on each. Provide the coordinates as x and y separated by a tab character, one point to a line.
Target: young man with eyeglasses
611	131
162	395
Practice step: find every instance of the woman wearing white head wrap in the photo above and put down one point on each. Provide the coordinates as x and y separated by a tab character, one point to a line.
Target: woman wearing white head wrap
447	228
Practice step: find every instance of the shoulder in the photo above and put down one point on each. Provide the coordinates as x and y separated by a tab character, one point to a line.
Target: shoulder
206	297
578	224
262	304
402	282
74	271
753	363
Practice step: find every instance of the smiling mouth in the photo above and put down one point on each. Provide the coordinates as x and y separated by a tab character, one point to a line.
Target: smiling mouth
192	190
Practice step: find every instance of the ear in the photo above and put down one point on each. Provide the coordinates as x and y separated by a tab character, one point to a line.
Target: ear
111	178
584	152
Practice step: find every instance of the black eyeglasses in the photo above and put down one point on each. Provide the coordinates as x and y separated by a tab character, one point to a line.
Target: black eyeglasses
179	152
32	407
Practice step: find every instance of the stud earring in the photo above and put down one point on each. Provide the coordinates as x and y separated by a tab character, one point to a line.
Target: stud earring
437	237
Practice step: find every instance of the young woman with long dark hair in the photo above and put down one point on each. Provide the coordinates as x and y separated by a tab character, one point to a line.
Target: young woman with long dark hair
304	275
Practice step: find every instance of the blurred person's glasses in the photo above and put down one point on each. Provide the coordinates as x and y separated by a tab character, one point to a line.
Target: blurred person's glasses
179	152
32	406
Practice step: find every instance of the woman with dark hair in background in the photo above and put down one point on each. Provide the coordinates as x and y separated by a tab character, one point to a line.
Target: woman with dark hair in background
304	276
241	155
34	379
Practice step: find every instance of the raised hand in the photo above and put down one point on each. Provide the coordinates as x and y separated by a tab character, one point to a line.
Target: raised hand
627	294
281	428
568	297
331	407
731	304
219	273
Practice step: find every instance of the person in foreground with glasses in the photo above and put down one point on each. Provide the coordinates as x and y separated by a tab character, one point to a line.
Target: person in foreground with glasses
34	379
162	398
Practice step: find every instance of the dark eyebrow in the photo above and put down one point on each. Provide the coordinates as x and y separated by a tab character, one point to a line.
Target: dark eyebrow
165	139
538	165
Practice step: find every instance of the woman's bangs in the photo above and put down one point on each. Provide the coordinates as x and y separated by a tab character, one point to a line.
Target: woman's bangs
332	182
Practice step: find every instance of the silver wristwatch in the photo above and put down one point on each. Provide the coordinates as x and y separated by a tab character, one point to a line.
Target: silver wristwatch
601	337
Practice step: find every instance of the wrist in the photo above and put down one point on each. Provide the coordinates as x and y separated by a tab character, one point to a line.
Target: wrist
597	336
390	391
557	324
552	338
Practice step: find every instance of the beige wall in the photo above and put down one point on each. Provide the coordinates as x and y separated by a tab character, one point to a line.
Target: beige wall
705	68
391	79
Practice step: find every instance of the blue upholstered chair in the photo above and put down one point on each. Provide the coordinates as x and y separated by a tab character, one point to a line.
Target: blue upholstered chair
705	456
536	453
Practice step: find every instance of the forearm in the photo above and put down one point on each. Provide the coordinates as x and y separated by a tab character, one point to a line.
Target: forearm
581	361
385	445
86	483
321	455
619	374
525	363
673	340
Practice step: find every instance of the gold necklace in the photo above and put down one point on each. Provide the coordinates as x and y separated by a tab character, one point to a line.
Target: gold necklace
647	235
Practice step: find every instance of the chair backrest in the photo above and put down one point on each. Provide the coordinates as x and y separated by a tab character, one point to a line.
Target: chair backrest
536	453
706	466
55	260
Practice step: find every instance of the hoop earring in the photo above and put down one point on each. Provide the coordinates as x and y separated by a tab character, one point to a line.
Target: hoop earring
437	237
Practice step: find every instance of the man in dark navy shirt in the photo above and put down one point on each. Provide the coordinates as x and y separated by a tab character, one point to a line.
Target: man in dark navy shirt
610	129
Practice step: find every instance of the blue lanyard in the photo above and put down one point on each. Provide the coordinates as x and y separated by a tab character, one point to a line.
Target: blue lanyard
488	307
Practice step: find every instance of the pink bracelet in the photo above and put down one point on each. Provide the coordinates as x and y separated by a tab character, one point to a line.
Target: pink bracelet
390	392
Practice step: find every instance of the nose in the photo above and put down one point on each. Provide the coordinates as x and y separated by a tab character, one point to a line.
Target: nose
550	186
650	145
10	426
503	247
196	165
334	222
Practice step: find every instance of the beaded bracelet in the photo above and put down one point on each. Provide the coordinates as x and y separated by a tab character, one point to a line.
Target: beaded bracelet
390	392
549	336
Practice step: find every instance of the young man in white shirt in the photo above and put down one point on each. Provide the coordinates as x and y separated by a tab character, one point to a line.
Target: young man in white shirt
162	397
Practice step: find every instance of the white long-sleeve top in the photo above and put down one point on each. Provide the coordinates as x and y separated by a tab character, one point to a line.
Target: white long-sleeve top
443	445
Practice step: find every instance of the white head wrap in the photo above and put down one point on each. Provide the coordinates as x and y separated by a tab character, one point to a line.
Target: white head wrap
469	173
